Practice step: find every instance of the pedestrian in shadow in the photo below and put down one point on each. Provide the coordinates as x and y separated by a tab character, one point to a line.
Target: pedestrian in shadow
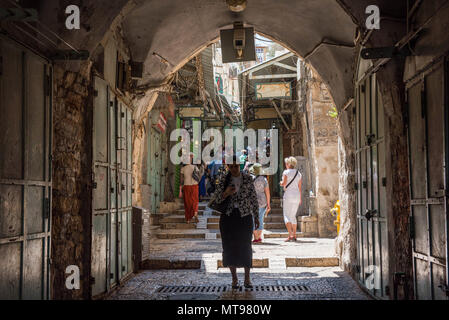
236	223
263	199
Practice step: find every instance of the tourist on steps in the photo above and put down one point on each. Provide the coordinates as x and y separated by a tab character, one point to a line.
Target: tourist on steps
291	181
189	190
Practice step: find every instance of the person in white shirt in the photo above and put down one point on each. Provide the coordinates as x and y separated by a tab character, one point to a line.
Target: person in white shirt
291	181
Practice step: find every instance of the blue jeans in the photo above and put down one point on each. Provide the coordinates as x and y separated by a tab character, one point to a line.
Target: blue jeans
261	216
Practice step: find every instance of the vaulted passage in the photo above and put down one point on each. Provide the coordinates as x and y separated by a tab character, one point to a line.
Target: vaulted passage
86	179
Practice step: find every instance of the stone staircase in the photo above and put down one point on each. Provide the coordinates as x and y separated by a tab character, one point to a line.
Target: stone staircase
173	226
175	244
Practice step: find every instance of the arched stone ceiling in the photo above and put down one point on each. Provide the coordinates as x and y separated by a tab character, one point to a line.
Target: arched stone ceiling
176	29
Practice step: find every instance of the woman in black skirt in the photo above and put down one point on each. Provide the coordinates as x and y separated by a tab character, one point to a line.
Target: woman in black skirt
236	224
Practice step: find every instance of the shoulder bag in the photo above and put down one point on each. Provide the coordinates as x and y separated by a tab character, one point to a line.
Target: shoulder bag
221	207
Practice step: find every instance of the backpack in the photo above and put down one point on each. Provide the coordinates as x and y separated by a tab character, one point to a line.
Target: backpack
196	174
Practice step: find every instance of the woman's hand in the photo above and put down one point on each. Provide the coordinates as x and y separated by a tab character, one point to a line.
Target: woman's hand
268	210
230	190
180	193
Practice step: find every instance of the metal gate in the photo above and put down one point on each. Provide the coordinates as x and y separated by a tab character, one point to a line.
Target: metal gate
428	158
25	173
112	207
155	176
372	233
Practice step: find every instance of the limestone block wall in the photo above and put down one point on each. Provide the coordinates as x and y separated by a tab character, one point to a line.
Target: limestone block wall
324	155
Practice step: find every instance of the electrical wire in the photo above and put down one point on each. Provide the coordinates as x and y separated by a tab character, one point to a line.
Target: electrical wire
45	27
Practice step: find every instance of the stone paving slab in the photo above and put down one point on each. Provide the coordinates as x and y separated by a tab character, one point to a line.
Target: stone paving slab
325	283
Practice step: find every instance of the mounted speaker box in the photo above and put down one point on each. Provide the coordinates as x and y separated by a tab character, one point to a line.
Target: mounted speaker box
237	44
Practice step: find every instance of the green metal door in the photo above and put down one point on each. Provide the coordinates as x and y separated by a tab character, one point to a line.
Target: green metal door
25	173
428	154
111	221
124	205
155	166
372	233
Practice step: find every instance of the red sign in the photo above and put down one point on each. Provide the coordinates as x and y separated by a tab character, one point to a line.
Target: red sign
161	123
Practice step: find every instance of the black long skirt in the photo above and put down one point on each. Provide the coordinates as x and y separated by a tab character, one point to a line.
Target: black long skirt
236	236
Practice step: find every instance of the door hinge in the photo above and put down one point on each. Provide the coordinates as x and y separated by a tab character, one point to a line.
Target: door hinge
411	227
356	186
92	280
111	276
94	185
423	101
122	114
405	113
47	85
95	93
47	208
384	182
387	290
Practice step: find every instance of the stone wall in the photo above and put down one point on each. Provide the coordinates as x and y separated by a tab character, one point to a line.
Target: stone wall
72	180
324	154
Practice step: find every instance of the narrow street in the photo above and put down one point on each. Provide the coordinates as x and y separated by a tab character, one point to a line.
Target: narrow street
117	116
185	263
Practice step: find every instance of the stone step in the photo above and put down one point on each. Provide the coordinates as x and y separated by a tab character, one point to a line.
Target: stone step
281	233
200	212
269	218
172	264
267	226
312	262
189	263
179	226
257	263
174	219
187	234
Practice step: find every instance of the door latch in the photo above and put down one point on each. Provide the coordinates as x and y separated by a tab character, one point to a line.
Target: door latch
369	214
370	139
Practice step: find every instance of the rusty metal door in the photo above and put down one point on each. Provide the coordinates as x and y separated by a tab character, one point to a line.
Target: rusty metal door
25	173
372	234
111	222
428	158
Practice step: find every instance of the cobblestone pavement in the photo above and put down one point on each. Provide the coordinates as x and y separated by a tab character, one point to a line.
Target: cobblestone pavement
303	270
275	250
324	283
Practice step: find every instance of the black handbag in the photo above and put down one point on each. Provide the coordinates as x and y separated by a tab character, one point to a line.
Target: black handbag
222	206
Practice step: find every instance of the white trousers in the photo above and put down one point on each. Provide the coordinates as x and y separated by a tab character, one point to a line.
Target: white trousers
290	208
